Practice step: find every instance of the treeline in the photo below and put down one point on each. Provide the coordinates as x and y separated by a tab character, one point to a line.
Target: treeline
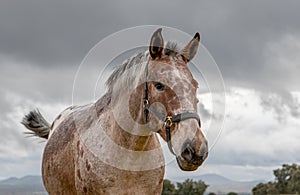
188	187
287	181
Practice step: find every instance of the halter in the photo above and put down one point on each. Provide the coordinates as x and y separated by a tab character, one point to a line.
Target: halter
168	120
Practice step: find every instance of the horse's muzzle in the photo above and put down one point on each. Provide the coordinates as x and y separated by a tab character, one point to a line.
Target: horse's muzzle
191	158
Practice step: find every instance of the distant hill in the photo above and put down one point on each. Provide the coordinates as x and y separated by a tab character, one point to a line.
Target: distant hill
223	185
214	179
28	185
27	180
10	180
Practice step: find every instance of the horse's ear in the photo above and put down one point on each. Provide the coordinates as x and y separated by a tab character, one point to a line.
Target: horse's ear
190	50
156	44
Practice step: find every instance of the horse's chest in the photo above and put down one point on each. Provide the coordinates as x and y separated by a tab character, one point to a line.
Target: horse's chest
93	176
104	179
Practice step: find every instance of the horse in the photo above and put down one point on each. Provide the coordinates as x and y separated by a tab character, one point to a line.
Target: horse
111	146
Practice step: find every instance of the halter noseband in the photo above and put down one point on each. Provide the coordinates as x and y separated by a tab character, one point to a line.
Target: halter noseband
168	120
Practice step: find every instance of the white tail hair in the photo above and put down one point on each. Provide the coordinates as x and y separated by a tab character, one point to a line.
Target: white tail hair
37	124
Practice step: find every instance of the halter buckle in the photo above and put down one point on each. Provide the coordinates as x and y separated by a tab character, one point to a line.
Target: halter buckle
168	121
146	102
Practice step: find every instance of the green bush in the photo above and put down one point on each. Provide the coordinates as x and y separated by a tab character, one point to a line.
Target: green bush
287	181
188	187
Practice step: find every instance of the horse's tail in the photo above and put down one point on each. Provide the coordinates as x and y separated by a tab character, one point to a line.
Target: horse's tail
36	123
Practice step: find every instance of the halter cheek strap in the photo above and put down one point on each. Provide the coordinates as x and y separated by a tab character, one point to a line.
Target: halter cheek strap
168	120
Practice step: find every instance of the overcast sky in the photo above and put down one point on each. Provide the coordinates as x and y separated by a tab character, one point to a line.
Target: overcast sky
256	45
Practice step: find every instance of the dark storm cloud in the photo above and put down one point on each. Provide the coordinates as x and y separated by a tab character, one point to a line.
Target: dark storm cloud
62	32
52	32
55	33
239	41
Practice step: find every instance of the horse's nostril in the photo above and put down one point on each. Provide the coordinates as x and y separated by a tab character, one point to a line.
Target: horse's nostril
187	154
199	158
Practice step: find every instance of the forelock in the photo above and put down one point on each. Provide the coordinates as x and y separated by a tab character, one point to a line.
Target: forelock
172	49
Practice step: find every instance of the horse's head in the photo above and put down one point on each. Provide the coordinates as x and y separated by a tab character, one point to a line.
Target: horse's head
171	91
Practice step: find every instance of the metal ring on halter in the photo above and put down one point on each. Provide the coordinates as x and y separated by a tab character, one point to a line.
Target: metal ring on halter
168	121
146	102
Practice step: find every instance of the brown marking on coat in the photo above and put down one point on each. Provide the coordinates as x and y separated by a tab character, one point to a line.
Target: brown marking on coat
81	152
87	165
80	149
85	189
79	175
78	146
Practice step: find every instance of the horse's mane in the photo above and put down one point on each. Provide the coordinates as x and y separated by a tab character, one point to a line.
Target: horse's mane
126	73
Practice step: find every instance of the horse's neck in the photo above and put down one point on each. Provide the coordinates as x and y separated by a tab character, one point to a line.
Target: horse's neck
125	126
131	141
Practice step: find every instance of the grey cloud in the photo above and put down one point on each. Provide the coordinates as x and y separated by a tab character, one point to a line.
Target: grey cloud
255	137
284	105
5	108
14	140
36	83
204	112
208	114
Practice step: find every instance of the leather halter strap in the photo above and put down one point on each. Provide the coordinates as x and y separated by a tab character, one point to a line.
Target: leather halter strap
168	120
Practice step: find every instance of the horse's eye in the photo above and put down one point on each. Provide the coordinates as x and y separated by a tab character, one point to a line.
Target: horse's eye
159	86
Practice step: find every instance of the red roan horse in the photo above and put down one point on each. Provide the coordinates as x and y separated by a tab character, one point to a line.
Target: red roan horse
111	146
